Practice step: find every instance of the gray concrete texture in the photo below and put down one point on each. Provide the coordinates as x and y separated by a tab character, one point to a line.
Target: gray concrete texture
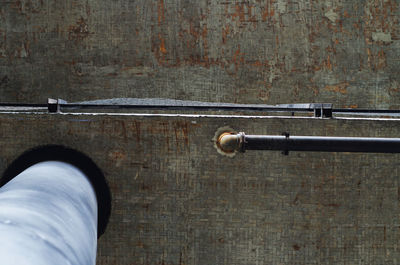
256	51
177	201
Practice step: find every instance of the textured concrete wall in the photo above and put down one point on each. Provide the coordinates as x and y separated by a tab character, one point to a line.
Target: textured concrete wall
177	201
256	51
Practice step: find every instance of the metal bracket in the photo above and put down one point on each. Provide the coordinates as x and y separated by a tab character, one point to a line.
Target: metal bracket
322	110
286	150
53	105
242	142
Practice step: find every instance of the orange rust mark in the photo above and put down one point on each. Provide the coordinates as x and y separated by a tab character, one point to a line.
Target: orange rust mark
272	13
225	32
268	10
181	133
376	61
197	33
239	12
117	156
79	31
162	45
115	128
194	36
140	244
330	49
159	50
204	34
160	11
380	60
165	132
123	129
258	63
243	11
238	58
251	17
354	106
136	125
185	132
341	27
176	138
346	14
338	88
327	63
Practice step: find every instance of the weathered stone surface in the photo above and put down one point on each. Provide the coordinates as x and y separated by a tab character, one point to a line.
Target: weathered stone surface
257	51
177	201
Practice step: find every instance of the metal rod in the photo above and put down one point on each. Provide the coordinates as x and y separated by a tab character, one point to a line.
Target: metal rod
319	109
286	143
367	111
203	107
48	215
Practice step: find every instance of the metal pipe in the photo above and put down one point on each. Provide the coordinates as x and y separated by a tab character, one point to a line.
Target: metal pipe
48	215
241	142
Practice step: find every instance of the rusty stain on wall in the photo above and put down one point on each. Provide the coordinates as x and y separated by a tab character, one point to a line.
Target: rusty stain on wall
193	49
338	88
79	31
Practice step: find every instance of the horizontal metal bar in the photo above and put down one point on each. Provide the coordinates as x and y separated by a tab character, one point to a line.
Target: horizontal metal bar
28	105
230	142
322	144
319	109
366	111
183	107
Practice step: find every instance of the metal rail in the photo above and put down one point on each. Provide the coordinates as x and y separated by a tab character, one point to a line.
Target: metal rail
318	110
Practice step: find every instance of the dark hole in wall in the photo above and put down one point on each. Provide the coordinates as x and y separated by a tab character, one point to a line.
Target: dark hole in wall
73	157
